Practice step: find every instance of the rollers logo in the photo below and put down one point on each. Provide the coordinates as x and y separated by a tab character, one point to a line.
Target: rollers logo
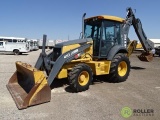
127	112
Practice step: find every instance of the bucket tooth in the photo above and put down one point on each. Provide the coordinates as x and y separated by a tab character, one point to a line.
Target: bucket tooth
28	86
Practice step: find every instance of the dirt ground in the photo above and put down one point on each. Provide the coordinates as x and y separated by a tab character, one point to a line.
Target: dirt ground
103	101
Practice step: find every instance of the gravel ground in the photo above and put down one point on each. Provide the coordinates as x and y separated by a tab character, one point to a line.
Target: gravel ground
103	101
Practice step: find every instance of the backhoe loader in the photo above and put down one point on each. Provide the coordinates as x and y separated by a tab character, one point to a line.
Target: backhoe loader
101	50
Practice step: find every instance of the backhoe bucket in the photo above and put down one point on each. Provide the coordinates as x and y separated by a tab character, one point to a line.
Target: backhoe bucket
28	86
146	57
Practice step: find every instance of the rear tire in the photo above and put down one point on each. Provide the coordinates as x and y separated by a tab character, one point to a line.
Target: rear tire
120	68
16	52
80	77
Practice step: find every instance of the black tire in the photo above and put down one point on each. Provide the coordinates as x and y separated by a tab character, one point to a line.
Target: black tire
16	52
121	62
80	77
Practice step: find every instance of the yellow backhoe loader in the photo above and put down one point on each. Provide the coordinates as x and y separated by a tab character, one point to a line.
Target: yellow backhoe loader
101	50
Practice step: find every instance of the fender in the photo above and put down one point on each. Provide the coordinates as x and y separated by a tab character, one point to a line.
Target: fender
114	50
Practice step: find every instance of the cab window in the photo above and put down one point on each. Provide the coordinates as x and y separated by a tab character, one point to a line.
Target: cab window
1	43
111	32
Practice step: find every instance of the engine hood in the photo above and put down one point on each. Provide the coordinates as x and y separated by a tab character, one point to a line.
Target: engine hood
76	41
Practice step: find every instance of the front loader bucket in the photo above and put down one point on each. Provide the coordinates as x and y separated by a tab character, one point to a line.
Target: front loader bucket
146	57
28	86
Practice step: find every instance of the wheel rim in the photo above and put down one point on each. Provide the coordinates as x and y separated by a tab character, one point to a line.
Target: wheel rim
122	68
83	78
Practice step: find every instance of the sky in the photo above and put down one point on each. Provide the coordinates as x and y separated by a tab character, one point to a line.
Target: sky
60	19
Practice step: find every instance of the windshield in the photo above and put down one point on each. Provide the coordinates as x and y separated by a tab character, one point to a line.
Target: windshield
92	29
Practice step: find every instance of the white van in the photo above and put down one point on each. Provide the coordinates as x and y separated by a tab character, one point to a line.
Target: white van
16	48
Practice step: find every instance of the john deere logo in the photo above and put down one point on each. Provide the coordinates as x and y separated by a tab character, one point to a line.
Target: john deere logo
126	112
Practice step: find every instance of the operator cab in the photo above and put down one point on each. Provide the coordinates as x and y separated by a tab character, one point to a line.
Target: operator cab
105	32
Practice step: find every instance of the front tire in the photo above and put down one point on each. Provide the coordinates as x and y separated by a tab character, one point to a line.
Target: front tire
120	68
80	77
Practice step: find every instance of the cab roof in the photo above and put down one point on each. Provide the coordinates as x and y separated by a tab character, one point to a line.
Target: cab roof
107	17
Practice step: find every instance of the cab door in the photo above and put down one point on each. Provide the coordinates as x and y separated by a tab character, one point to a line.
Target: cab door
94	31
96	40
110	37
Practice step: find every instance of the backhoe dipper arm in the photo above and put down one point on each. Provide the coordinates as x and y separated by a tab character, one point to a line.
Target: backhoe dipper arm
146	56
131	20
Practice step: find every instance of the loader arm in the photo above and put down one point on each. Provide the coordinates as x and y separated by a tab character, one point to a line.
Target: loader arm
44	61
64	58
